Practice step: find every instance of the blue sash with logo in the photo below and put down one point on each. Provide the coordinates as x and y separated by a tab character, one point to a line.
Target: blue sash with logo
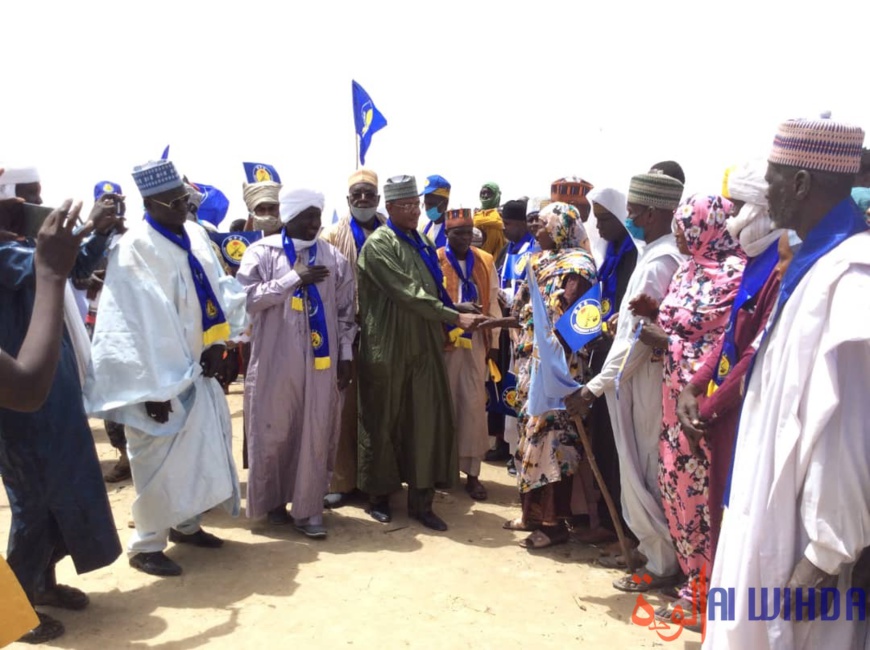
316	312
755	275
215	327
607	276
359	237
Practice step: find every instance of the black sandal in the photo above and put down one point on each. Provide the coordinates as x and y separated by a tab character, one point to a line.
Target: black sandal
49	628
63	597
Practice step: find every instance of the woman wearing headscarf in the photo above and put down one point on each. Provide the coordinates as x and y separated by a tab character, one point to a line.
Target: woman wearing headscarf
709	407
691	319
548	455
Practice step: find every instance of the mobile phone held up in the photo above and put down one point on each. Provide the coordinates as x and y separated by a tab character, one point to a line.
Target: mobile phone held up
34	217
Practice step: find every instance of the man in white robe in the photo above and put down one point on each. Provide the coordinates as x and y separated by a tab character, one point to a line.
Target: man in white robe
636	413
154	356
798	514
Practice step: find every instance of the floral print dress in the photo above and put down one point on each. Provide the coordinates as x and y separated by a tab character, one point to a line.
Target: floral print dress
694	313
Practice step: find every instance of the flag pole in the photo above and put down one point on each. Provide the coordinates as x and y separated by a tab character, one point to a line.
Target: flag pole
356	141
630	559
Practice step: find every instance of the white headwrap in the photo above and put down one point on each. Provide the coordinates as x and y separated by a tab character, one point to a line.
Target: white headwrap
293	202
262	192
752	226
611	200
13	176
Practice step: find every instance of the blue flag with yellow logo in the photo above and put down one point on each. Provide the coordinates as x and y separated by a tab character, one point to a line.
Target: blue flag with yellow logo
214	206
234	244
367	119
260	172
582	323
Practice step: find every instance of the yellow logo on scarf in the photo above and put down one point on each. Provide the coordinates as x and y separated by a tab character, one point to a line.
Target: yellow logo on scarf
520	265
210	309
724	366
316	340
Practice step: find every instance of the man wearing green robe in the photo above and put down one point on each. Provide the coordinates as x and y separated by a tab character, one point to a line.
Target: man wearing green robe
406	429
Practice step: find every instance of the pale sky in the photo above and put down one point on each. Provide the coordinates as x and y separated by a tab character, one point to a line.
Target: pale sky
517	93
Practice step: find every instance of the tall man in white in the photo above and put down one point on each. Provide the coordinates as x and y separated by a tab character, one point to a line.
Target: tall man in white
798	514
636	414
165	314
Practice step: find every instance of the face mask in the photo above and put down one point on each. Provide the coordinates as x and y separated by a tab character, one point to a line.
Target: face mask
433	213
267	223
363	215
490	203
634	230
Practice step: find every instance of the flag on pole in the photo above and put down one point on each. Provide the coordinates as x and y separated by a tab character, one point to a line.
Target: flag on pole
551	381
582	323
367	119
165	155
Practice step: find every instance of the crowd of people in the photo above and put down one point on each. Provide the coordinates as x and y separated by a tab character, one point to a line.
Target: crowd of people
723	374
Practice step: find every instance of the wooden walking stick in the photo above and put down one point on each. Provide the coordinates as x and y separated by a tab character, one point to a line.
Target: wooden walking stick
630	559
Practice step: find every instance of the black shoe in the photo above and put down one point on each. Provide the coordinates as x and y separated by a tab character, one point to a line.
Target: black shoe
199	538
48	629
433	521
512	467
500	454
278	516
380	512
155	564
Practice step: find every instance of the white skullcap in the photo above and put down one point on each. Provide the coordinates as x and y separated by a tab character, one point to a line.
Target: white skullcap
13	176
293	202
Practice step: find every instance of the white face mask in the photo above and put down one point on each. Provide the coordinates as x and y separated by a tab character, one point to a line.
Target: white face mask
266	223
363	215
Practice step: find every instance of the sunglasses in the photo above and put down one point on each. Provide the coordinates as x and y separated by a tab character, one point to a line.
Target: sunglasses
175	204
407	207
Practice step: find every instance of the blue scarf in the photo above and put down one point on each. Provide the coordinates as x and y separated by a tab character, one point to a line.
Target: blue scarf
842	222
359	236
607	276
755	276
469	291
430	259
215	327
441	239
316	312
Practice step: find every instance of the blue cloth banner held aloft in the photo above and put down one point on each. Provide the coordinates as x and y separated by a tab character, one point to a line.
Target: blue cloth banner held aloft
367	119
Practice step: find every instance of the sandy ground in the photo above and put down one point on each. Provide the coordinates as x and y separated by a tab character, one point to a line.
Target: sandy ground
367	586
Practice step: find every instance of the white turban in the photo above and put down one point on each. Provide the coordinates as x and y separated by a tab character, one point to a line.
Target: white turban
13	176
752	226
294	202
611	200
262	192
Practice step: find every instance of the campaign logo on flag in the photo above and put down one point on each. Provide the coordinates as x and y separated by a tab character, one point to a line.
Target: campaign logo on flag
234	244
582	323
501	397
260	172
368	120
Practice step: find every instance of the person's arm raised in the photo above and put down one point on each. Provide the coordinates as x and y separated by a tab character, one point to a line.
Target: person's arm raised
26	381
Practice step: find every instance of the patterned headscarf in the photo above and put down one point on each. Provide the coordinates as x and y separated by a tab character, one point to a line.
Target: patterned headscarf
702	220
696	308
563	223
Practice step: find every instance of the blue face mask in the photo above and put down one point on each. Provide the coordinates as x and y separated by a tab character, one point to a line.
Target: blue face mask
633	229
433	214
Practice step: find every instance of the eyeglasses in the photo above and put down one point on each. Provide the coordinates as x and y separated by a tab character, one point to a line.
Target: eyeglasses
406	207
175	204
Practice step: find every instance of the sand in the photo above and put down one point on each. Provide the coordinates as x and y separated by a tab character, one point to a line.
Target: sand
368	585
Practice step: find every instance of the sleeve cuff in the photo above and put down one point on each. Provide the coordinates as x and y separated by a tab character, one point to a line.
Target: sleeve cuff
288	281
345	352
596	386
825	559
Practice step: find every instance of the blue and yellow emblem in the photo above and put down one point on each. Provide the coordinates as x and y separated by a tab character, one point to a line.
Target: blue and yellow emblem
605	306
260	173
586	317
724	366
210	309
509	397
316	340
234	248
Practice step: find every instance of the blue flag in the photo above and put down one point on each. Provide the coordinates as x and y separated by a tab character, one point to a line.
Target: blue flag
582	323
165	155
214	205
551	381
234	244
501	397
515	266
259	172
367	119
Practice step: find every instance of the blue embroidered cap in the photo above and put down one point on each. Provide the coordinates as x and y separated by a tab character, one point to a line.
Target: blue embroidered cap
156	177
106	187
